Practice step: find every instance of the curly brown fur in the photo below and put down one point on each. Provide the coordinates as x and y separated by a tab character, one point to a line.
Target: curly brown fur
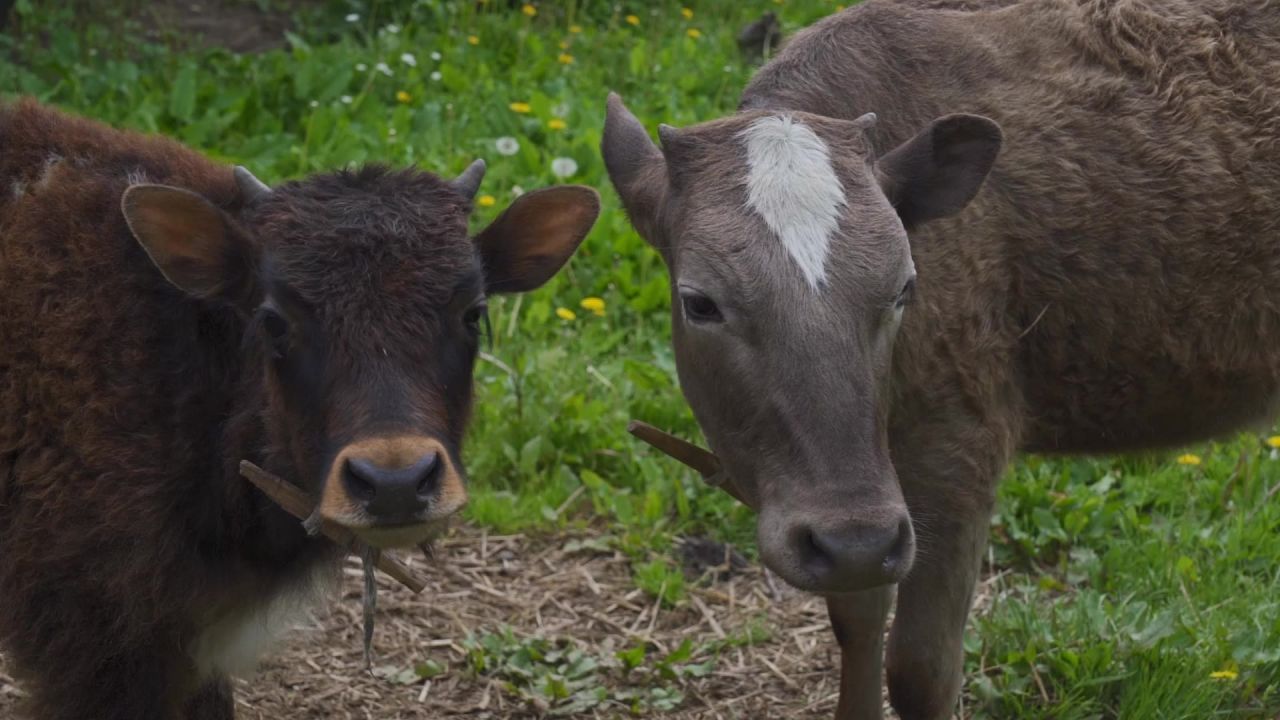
130	549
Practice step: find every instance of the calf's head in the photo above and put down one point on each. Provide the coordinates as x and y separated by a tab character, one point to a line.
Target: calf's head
786	244
363	304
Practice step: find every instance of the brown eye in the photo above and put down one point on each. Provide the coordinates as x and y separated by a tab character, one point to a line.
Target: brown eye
477	316
276	330
905	296
699	308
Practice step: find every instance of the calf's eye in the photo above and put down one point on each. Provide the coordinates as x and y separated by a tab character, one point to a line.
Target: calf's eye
699	308
276	329
906	295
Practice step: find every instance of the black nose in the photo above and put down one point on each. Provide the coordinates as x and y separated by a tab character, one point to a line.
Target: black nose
393	496
857	556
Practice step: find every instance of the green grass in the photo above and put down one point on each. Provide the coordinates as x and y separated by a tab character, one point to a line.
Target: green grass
1122	584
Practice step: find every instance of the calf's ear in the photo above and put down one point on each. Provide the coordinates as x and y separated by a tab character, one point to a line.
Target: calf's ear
536	235
190	240
636	166
937	172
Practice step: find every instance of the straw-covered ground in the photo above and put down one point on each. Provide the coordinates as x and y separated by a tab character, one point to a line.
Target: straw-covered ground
542	610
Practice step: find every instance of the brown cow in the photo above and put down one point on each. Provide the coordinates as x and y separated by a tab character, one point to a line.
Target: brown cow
1114	285
161	319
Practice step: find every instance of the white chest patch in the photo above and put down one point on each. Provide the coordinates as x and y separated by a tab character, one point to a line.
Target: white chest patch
792	186
234	643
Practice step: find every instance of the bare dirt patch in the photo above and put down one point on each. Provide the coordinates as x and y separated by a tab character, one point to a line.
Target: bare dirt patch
576	597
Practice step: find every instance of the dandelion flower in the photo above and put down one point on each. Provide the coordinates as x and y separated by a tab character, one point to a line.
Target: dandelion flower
516	191
633	20
392	29
486	201
506	145
314	103
593	305
472	39
1189	459
563	167
435	75
520	107
409	59
565	314
346	99
565	59
687	13
575	29
361	67
403	97
383	68
529	10
694	33
353	18
1224	674
436	56
560	109
556	124
1274	441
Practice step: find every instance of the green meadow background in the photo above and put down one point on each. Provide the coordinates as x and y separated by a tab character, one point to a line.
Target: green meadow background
1143	587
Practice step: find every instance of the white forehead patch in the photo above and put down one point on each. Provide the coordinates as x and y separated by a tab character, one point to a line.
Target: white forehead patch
792	186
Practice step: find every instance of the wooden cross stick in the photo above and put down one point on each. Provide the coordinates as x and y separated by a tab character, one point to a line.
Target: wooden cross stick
299	504
703	461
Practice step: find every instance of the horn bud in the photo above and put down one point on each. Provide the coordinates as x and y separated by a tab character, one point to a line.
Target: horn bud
468	183
251	188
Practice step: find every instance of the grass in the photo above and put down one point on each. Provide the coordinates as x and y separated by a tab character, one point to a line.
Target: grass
1135	588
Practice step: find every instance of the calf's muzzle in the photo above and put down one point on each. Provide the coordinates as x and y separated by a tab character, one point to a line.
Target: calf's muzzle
393	494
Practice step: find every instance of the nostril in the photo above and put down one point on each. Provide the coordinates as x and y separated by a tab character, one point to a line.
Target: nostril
429	467
813	548
901	548
358	476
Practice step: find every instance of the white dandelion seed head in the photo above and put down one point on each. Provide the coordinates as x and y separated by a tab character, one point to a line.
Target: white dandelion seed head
560	110
346	99
353	18
506	145
563	167
361	67
409	59
516	191
436	56
383	68
436	75
392	29
314	103
391	131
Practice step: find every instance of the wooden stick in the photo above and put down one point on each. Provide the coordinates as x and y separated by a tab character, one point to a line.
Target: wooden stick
298	504
703	461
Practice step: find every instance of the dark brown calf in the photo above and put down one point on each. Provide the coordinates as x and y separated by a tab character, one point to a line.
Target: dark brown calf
871	316
163	318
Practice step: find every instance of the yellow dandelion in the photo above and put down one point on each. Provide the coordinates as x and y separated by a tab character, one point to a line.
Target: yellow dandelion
564	44
1274	441
633	20
694	33
575	29
565	314
565	59
556	124
1188	459
529	10
1230	672
473	39
687	13
520	107
486	201
839	8
402	96
593	305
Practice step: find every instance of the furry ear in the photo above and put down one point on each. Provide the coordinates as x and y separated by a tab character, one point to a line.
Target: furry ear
189	240
636	166
937	172
529	242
